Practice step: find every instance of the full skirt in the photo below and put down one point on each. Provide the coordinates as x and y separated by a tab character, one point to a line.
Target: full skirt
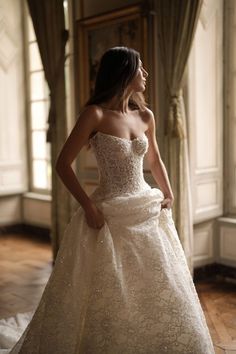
123	289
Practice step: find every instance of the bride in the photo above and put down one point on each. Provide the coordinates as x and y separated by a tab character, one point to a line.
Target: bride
120	284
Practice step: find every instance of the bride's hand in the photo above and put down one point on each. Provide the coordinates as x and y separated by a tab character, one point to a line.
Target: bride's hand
94	216
167	203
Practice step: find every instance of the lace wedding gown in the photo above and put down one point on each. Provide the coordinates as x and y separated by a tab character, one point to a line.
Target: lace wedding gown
126	288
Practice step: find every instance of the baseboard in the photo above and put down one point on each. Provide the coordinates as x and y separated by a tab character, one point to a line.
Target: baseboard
27	229
214	270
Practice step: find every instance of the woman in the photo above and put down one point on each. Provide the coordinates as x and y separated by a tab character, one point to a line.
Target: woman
120	283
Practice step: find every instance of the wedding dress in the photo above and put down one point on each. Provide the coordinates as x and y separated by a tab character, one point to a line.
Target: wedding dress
126	288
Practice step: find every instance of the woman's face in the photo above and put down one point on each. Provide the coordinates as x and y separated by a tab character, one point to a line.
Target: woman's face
138	84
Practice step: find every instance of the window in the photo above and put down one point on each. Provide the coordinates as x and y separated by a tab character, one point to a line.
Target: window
37	106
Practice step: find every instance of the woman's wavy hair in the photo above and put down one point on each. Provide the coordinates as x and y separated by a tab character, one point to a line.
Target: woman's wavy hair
117	68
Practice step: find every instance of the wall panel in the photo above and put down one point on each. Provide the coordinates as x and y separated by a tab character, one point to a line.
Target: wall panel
205	113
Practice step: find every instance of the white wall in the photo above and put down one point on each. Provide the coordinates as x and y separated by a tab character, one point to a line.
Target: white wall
206	113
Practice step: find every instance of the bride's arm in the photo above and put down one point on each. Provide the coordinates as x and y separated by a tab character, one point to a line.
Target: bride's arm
155	162
87	122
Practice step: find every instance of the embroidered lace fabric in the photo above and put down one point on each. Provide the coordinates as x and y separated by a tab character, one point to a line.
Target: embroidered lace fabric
123	289
121	167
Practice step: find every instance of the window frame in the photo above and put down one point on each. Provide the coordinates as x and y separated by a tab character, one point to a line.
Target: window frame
28	103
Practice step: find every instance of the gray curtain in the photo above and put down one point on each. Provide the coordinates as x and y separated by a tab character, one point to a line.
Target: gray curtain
49	25
176	25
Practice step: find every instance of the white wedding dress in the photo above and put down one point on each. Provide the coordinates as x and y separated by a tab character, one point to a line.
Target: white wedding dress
123	289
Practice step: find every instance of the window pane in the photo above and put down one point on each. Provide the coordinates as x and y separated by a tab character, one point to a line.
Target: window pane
31	33
35	62
66	16
49	170
48	148
39	115
39	145
40	174
37	83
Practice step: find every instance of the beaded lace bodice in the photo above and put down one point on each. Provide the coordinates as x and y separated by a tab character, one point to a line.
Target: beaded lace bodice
120	163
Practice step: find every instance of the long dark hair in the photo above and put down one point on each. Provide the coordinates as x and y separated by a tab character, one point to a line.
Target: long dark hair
117	68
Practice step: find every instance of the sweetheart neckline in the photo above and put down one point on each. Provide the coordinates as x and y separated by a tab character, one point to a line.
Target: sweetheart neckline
117	137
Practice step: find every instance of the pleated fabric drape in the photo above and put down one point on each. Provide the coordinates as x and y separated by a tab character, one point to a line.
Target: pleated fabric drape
49	25
176	25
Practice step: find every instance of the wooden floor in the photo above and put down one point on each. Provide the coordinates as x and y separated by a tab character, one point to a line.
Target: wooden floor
26	264
218	300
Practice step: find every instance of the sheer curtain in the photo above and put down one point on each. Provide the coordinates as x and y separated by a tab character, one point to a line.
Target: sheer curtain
49	25
176	25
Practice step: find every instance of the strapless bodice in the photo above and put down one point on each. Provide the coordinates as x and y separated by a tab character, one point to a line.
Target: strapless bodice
120	164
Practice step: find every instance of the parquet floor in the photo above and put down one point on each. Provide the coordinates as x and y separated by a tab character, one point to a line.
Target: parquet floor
25	266
26	263
218	300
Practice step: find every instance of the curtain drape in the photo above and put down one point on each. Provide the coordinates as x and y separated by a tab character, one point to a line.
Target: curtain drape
49	25
176	25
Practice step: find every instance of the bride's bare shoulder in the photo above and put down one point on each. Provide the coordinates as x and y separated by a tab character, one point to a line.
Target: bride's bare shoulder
146	115
90	116
92	110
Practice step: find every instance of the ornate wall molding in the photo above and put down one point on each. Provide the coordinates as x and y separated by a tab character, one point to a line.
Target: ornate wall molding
8	45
